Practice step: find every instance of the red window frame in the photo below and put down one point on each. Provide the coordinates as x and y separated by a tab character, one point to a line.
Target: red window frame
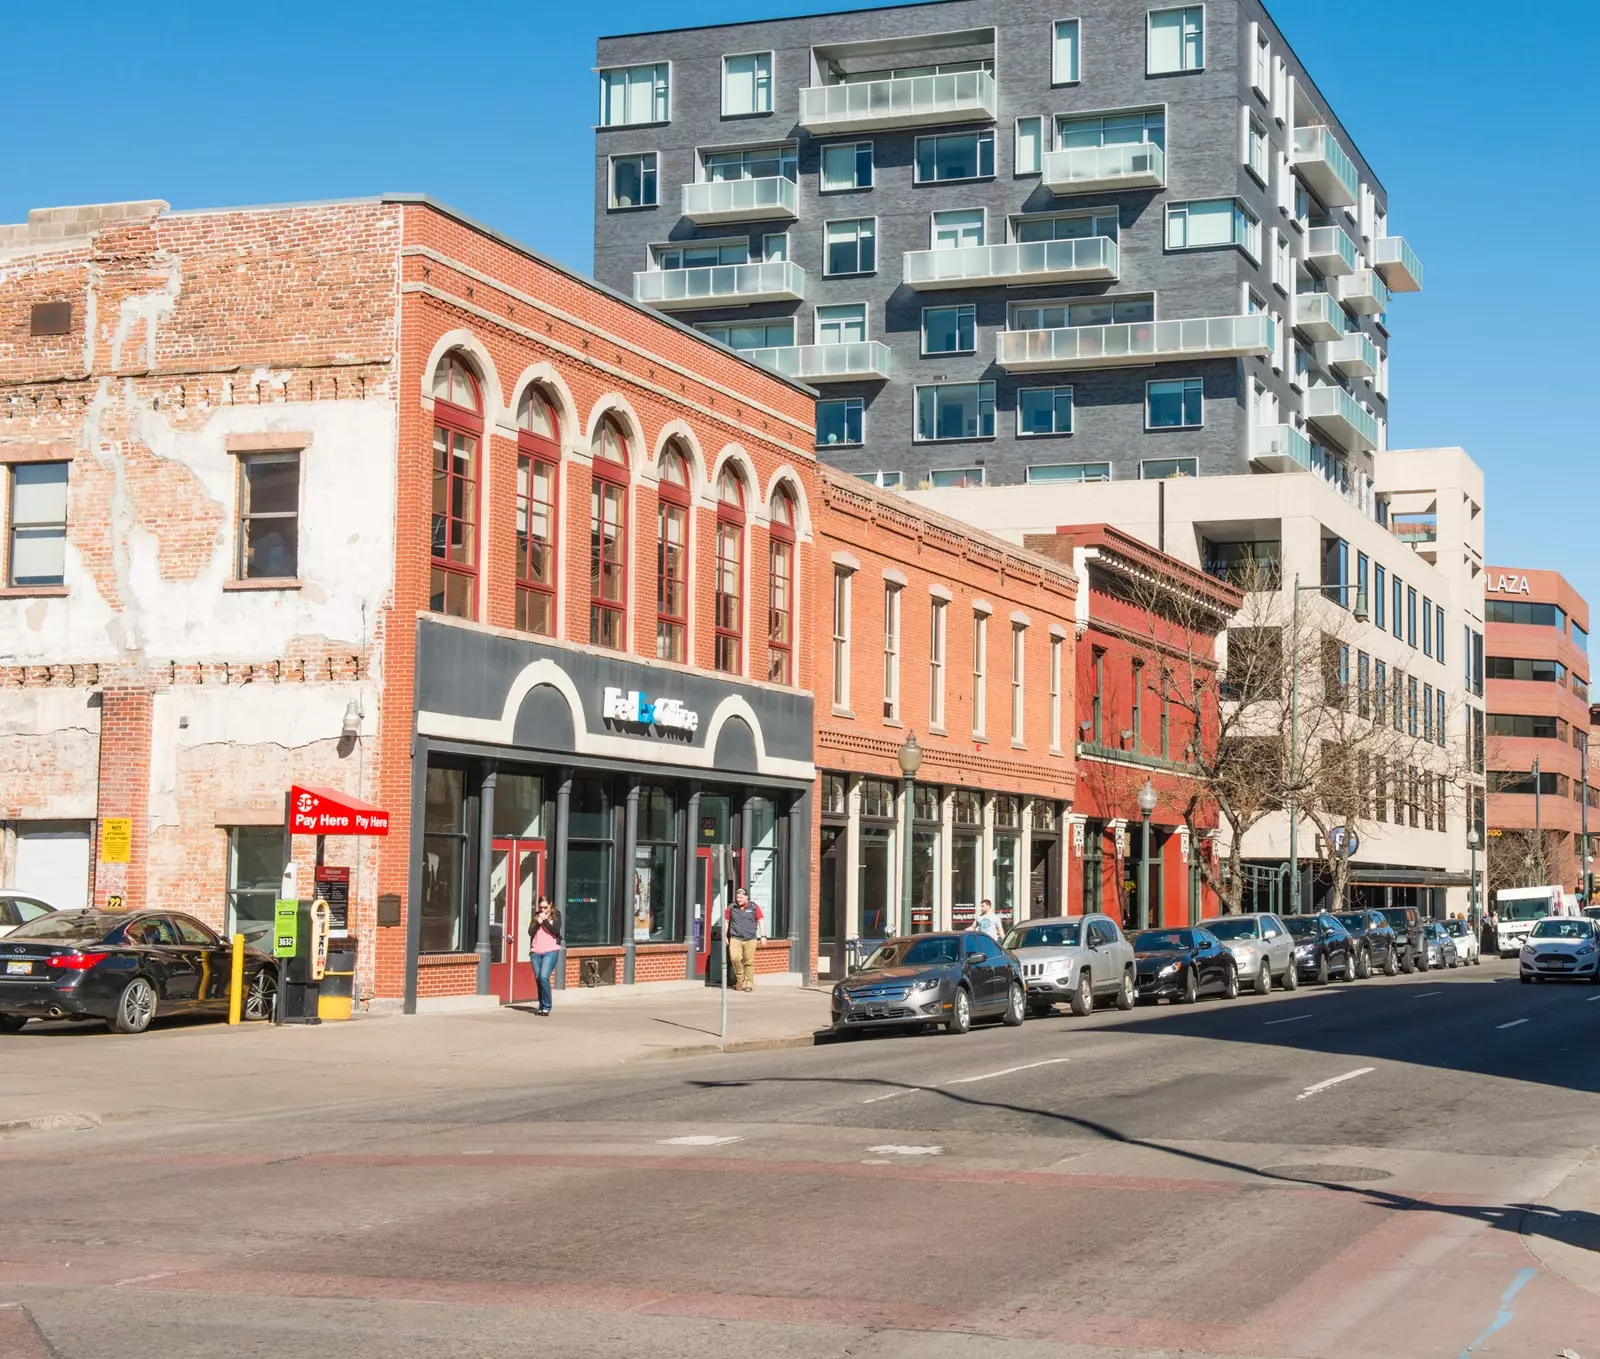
672	618
780	607
459	493
730	565
608	617
536	591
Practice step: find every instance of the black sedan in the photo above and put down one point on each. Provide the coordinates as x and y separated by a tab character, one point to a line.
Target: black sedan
1376	945
124	969
1183	965
929	979
1323	947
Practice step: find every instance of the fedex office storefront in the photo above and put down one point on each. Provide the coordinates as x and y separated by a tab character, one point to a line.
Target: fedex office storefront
636	796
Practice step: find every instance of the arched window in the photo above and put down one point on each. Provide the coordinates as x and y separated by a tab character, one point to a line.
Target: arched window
538	476
608	537
457	433
780	609
730	571
672	556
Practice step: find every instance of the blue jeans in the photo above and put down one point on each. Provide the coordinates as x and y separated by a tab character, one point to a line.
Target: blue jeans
544	967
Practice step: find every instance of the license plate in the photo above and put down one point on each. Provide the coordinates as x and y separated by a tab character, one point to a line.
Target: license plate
19	969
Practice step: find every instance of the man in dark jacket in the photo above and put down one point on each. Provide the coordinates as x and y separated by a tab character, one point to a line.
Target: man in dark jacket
744	924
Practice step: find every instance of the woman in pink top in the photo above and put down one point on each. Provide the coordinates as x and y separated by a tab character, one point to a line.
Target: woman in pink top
544	948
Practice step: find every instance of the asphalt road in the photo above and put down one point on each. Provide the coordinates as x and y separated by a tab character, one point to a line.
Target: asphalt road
1397	1167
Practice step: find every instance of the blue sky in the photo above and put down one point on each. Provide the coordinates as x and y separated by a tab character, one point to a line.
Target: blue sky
1478	119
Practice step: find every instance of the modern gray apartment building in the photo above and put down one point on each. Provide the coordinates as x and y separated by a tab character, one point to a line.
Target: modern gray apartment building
1015	240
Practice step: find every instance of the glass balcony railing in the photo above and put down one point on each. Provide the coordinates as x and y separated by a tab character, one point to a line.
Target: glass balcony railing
1088	169
1087	258
905	101
1398	263
857	361
1323	164
733	200
1280	447
1318	316
1354	355
1342	418
1140	342
1332	251
720	285
1420	527
1365	293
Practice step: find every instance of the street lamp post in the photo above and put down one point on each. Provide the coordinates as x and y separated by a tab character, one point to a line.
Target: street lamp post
1583	832
1472	859
1147	805
1360	615
1538	822
910	762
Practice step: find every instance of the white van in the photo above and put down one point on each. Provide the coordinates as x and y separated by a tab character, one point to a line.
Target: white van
1521	908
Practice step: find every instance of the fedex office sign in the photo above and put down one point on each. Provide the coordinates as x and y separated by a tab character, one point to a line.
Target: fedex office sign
635	708
314	811
1508	585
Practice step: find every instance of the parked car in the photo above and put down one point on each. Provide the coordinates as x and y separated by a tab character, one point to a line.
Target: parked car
1182	965
1323	947
1592	912
1441	948
124	969
1408	923
1561	947
1076	958
18	908
950	978
1261	948
1466	941
1376	945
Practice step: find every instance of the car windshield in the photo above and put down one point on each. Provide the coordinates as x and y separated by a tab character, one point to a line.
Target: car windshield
1240	927
1528	908
913	953
1397	918
1061	935
68	926
1568	928
1456	927
1301	926
1593	912
1352	921
1159	941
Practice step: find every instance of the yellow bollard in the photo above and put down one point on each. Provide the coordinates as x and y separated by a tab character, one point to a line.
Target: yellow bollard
236	985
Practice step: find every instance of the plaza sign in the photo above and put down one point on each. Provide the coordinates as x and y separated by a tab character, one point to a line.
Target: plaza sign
1507	585
635	708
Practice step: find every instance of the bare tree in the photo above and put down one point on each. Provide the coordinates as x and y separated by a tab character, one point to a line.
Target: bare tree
1523	858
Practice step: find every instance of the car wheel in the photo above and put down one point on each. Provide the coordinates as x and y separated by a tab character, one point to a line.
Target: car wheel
1126	996
1083	997
1364	964
1017	1006
136	1007
1291	975
960	1020
1408	964
1391	964
1322	970
1191	988
1230	988
261	996
12	1023
1422	961
1264	981
1477	959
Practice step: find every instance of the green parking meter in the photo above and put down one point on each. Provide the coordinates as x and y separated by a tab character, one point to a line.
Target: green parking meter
285	928
293	939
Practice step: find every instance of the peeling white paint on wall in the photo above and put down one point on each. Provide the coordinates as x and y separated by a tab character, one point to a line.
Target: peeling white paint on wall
148	308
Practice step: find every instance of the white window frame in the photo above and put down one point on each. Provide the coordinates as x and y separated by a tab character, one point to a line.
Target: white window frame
611	181
922	329
846	400
1054	389
604	71
853	273
978	134
1149	30
710	328
1067	481
938	623
1260	62
1096	216
843	584
1019	661
884	479
933	227
663	248
855	146
916	404
892	593
1017	165
980	665
1254	138
1055	695
816	321
1157	429
1076	76
766	250
771	83
1251	245
983	473
1282	261
1180	457
1280	91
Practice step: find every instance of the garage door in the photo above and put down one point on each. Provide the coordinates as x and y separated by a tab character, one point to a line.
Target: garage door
53	862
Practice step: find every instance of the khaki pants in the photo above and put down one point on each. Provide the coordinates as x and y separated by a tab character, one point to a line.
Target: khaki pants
742	955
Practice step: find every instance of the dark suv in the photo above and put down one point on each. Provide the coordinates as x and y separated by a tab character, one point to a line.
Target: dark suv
1407	923
1322	947
1376	945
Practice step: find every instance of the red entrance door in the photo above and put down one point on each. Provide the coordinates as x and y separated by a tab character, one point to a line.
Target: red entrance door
712	896
516	879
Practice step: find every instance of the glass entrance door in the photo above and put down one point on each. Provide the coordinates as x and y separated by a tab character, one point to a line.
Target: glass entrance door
516	878
711	898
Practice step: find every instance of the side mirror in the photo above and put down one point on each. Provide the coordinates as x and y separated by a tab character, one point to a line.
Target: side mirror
974	953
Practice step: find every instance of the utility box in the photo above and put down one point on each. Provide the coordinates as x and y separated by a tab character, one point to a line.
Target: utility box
299	943
337	994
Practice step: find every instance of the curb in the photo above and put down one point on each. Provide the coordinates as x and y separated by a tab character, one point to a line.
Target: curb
797	1040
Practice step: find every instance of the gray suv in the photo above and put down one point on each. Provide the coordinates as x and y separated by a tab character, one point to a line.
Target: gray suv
1075	958
1261	946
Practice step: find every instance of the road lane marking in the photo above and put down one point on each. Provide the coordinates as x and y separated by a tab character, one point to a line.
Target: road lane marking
1592	1000
1505	1314
893	1094
894	1149
1311	1090
1290	1020
1423	995
1010	1070
697	1140
1513	1024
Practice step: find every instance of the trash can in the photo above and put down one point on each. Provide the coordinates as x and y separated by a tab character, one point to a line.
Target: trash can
337	996
716	959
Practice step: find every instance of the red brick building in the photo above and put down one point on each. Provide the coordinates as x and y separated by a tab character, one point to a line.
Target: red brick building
1131	650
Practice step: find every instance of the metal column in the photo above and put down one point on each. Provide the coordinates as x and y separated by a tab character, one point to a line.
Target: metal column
486	874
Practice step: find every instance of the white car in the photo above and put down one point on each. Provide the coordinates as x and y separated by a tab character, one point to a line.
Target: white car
18	908
1561	947
1466	941
1076	958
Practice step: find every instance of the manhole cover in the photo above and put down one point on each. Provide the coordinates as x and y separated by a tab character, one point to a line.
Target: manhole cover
1326	1174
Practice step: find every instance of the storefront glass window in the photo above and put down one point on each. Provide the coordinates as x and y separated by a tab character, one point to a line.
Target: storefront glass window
255	877
924	880
518	807
830	887
444	851
589	918
833	803
1093	867
1044	815
964	881
926	803
1007	814
657	882
764	866
877	798
1007	849
968	808
879	919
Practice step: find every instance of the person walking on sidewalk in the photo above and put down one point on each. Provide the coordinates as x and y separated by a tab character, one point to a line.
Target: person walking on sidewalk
544	948
987	922
744	923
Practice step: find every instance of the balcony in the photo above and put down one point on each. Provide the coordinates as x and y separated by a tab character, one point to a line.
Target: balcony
1338	415
1135	344
1317	316
1352	355
1398	263
1324	166
1365	293
1097	169
720	285
1416	529
1280	448
770	198
905	101
859	361
1331	251
1087	259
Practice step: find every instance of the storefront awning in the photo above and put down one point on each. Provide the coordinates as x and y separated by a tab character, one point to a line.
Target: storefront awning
327	811
1361	876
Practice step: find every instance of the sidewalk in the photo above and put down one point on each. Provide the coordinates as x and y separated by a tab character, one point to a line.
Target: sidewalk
64	1076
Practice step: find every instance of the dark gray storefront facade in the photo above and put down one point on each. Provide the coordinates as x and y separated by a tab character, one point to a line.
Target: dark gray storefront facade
634	795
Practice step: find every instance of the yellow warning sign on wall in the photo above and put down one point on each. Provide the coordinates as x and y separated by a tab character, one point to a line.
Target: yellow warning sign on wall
116	840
